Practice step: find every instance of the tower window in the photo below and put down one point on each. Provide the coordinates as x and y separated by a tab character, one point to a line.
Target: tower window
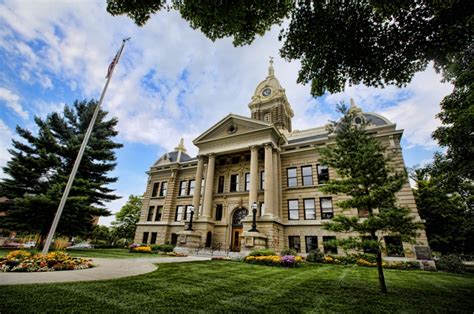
266	117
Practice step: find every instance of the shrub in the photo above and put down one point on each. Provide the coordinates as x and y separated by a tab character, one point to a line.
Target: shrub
451	263
275	260
262	252
315	256
142	249
162	248
288	252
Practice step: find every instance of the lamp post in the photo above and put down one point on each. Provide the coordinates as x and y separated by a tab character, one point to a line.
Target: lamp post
190	226
254	221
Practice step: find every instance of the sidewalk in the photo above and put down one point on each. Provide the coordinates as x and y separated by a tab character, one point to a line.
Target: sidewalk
106	268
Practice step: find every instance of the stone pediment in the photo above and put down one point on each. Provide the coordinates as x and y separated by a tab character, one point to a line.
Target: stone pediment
232	126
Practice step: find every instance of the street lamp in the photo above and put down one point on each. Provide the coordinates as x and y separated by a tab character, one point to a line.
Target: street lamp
190	226
254	222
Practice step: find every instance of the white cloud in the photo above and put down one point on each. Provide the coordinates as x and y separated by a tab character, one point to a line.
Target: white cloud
12	101
412	108
6	136
173	82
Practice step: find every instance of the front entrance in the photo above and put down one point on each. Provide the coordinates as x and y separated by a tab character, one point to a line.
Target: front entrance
236	234
237	227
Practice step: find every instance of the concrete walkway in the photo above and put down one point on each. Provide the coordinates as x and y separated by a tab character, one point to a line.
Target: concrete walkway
106	268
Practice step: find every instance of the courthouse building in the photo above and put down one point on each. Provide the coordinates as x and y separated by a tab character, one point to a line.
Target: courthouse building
257	162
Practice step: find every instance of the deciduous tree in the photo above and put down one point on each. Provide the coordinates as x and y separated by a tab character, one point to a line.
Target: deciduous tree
127	218
375	42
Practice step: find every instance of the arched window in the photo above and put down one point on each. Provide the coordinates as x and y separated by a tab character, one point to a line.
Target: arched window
266	117
238	215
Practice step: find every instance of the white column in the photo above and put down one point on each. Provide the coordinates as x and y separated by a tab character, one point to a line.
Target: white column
197	186
269	207
208	187
253	177
276	190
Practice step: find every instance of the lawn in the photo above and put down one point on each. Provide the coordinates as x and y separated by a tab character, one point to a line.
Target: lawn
101	253
220	286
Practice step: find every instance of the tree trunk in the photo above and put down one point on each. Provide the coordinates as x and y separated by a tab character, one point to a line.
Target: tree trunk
383	288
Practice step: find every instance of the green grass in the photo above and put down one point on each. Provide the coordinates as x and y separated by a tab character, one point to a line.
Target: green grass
218	286
101	253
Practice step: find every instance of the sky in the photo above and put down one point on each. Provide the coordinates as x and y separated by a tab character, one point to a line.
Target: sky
171	82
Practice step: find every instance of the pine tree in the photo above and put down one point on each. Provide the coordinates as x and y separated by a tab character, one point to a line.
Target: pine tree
40	166
366	176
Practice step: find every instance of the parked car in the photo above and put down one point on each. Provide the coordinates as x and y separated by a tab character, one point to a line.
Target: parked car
12	245
29	245
80	246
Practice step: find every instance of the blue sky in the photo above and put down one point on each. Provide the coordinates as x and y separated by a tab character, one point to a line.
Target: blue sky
171	82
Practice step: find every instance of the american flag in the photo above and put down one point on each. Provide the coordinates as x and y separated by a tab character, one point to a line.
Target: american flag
112	65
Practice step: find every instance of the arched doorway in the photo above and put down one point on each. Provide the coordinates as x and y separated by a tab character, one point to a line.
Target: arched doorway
237	227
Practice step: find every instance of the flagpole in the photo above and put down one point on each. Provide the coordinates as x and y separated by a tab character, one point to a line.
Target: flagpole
80	154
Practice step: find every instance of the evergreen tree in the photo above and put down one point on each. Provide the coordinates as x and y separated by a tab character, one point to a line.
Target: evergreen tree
41	164
365	176
127	218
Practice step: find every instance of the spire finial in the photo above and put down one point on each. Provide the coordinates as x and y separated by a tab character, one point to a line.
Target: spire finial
180	147
353	104
271	71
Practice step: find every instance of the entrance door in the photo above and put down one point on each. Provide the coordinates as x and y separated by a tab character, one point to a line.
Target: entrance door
236	233
239	214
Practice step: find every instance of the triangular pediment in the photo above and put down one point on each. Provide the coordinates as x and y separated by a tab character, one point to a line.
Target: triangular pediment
232	125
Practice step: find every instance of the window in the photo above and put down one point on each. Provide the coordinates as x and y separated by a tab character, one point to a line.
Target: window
174	239
145	237
191	185
294	243
151	211
164	187
234	183
202	186
394	246
219	212
187	213
323	174
367	244
326	208
154	193
220	185
159	211
309	210
179	213
311	243
307	173
292	179
266	117
363	212
153	238
329	247
182	188
235	160
247	181
293	210
262	208
262	180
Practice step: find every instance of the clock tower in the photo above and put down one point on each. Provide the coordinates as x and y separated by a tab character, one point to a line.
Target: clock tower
269	102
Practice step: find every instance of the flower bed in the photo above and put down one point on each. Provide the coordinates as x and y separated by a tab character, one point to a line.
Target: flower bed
369	261
24	261
275	260
137	248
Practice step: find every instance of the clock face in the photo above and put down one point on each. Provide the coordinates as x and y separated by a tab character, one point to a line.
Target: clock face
267	91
